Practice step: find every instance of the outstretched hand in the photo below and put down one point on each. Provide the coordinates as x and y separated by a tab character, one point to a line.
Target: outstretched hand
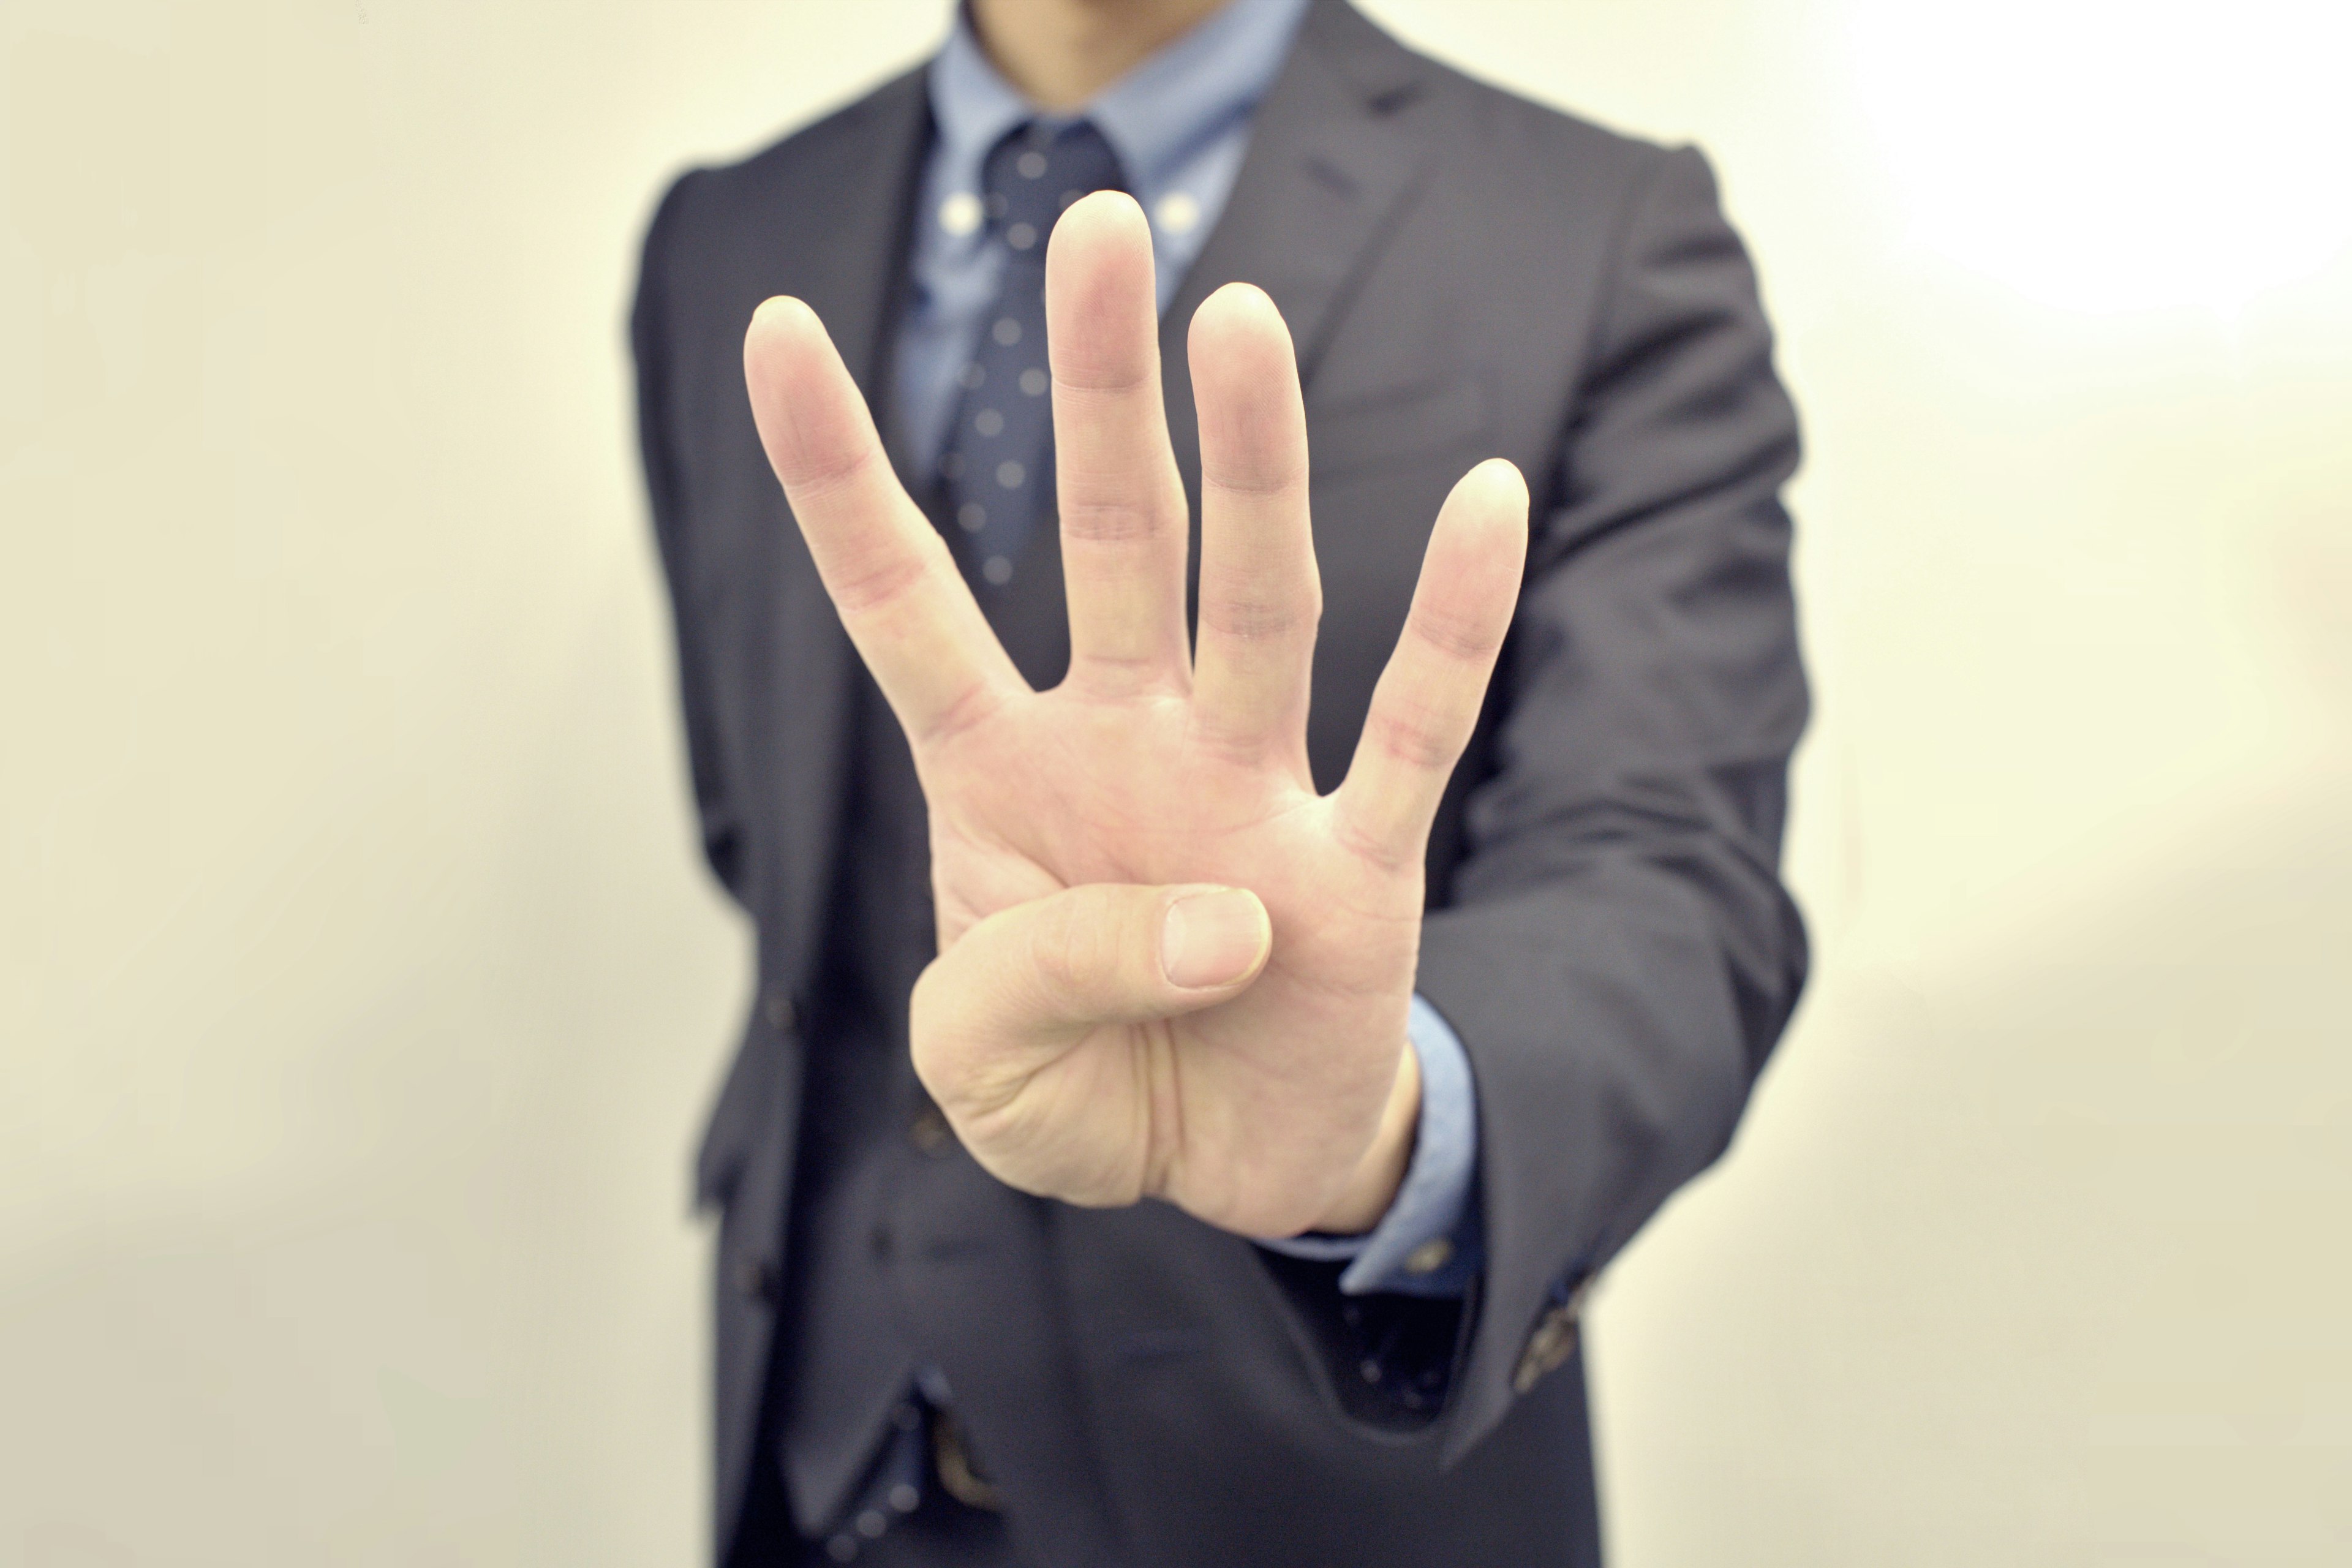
1167	966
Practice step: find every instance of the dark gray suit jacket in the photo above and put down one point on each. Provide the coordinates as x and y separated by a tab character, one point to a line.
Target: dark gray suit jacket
1465	275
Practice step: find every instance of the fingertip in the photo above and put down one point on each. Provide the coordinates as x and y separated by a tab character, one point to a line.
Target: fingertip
781	327
1479	546
1102	310
781	315
1240	296
1103	208
1242	353
1213	937
1498	483
1489	504
1237	310
1105	227
1503	473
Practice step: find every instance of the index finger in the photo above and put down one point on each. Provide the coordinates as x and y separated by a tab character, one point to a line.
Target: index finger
886	567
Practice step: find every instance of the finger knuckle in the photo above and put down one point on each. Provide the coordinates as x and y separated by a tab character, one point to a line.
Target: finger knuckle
1242	606
966	711
1089	521
1417	740
823	477
1106	383
1373	849
871	581
1468	639
1257	476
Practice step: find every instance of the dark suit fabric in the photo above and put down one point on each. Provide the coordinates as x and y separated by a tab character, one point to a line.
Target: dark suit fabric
1465	275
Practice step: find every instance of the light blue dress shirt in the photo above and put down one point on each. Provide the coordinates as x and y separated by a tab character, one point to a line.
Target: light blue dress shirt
1179	123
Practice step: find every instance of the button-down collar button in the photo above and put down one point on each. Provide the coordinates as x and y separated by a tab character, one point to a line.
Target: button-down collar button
1553	1341
960	214
1178	212
929	1131
1429	1256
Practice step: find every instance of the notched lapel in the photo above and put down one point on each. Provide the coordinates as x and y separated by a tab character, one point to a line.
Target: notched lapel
1331	163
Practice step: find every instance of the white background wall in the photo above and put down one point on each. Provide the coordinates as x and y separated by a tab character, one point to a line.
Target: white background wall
360	992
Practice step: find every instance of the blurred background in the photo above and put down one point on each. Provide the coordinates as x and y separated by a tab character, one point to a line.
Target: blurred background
360	991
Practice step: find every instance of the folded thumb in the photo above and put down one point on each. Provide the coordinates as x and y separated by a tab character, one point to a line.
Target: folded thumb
1107	953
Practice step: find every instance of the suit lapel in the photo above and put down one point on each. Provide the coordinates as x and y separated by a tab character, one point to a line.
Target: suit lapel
852	273
1329	166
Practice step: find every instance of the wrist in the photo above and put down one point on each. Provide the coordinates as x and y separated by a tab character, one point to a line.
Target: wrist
1373	1186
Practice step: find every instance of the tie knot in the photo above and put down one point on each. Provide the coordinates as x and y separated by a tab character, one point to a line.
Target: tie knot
1038	170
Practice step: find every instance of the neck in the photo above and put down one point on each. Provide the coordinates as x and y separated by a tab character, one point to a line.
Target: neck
1060	53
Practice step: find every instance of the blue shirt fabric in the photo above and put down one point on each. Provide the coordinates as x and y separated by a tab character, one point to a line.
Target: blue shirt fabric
1179	123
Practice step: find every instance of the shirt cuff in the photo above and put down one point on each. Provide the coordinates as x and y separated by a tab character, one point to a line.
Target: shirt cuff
1431	1242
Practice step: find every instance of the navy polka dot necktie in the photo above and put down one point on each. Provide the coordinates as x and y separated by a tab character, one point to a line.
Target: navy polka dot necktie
999	462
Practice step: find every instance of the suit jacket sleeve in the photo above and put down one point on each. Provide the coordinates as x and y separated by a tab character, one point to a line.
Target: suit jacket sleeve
652	344
1618	954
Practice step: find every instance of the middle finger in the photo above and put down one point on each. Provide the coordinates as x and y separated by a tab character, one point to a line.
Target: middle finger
1122	502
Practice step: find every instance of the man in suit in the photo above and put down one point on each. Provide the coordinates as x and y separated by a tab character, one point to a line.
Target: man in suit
1177	1125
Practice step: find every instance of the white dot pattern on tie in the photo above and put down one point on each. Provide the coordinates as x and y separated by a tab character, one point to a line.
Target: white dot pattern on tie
998	465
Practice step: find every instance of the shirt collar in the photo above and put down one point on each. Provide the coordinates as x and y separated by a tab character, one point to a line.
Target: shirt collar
1154	117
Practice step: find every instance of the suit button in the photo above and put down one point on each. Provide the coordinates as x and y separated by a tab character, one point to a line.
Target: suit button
1429	1257
758	1280
929	1131
1553	1341
780	1010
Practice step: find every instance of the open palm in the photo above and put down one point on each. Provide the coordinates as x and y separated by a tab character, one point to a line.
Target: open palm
1167	966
